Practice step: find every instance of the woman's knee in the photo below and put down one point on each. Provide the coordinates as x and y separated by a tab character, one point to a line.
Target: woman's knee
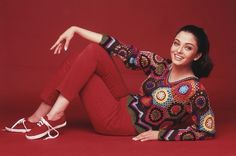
93	47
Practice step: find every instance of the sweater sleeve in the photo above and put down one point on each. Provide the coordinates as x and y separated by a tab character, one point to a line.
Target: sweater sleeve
132	57
203	126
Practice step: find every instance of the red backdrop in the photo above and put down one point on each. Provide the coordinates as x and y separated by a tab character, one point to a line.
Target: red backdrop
29	28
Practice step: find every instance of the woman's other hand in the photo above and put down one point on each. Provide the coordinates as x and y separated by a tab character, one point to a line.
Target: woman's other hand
148	135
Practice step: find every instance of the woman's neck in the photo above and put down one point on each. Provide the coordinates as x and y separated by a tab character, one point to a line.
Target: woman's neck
180	72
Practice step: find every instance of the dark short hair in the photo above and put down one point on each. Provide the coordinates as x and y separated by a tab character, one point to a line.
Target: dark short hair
204	65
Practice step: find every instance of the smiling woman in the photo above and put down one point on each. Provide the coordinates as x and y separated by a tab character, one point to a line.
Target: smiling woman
172	103
184	49
190	50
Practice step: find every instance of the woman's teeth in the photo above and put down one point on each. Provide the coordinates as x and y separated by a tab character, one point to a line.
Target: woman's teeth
178	58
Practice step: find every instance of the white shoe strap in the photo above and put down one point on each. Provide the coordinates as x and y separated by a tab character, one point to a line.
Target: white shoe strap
19	122
50	129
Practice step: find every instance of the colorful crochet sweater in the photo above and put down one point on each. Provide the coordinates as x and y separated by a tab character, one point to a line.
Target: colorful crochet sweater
178	110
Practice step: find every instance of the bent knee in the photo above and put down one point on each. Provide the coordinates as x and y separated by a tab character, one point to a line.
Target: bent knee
94	46
95	50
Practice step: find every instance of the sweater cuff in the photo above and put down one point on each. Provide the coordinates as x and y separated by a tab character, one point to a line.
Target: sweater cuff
105	38
107	43
161	134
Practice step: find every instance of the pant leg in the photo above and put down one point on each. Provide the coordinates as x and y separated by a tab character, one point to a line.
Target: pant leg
107	114
49	93
76	70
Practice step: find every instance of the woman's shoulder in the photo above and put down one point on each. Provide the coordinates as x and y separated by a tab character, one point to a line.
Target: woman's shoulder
200	85
198	89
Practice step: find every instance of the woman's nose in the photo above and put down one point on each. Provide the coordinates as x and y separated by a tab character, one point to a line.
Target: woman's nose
179	50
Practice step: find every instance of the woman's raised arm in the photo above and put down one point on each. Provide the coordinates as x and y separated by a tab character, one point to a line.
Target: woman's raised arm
68	35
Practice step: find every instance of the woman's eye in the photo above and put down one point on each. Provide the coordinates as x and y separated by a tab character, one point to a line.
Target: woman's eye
188	48
175	43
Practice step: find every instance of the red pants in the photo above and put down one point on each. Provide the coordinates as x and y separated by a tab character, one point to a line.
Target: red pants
94	76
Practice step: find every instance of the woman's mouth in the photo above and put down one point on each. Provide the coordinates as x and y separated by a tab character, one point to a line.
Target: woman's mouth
178	58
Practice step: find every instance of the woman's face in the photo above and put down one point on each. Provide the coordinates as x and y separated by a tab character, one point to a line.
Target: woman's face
184	49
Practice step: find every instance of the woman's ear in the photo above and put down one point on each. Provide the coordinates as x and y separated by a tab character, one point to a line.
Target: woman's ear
197	56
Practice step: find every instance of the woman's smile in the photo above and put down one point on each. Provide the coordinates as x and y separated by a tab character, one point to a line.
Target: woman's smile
184	49
178	57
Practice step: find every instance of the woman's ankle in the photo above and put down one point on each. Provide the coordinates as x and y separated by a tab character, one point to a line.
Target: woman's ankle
54	117
33	119
42	110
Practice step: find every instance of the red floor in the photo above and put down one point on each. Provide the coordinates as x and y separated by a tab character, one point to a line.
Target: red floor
80	139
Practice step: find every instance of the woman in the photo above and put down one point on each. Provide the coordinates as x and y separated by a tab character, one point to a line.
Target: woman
172	103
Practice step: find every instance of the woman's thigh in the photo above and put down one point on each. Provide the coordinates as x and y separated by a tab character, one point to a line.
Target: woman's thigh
77	69
107	114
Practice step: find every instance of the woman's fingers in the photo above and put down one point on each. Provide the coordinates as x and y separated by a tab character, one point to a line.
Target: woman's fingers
141	136
148	135
56	43
57	48
67	44
59	45
146	139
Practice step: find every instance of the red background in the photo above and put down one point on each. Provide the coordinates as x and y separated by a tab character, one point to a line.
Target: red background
29	28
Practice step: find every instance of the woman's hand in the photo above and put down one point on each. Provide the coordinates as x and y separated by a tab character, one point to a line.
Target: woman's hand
63	38
68	35
148	135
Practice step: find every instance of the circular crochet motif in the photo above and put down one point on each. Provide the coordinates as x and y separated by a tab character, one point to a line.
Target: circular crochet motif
200	102
144	61
157	58
159	69
149	85
183	89
188	136
209	123
162	96
122	53
175	109
155	115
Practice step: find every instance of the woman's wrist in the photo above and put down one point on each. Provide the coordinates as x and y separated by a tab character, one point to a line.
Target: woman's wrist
75	29
87	34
